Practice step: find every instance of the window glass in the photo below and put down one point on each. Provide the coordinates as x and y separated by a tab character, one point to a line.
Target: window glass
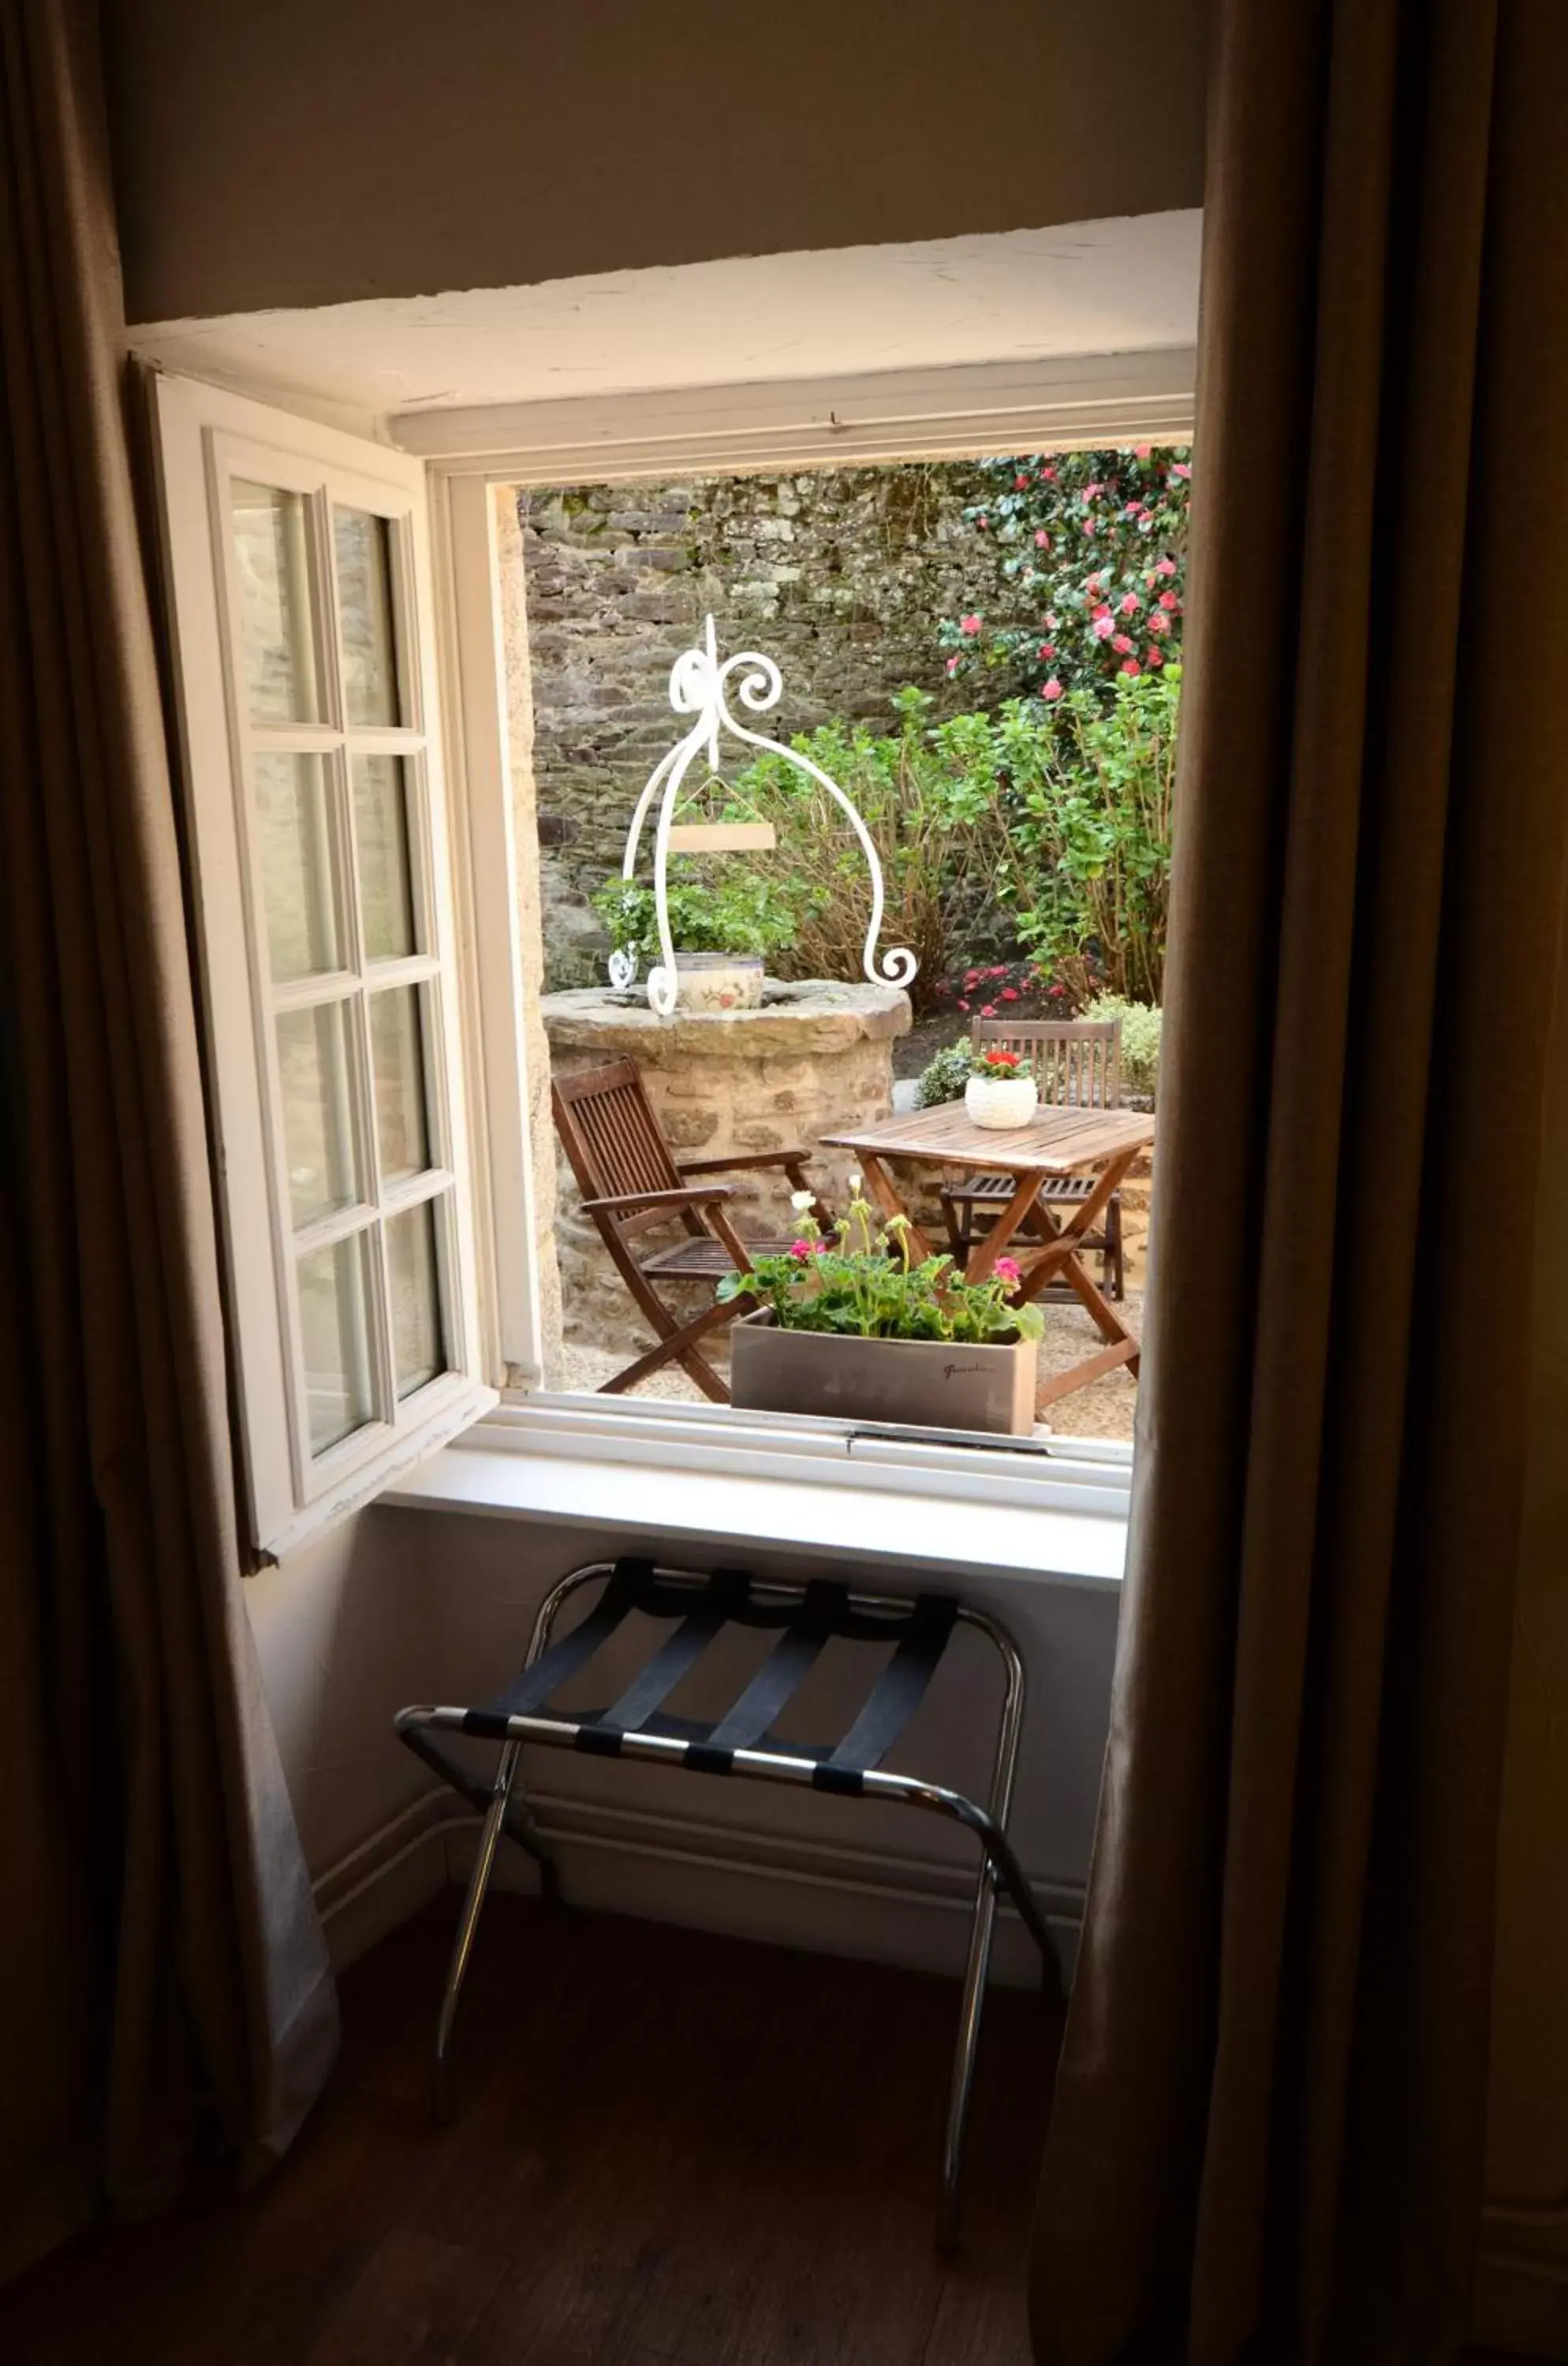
271	530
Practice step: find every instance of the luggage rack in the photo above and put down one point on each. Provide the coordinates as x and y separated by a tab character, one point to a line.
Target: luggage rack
738	1744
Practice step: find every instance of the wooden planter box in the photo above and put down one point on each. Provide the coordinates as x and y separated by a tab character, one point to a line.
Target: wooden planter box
924	1383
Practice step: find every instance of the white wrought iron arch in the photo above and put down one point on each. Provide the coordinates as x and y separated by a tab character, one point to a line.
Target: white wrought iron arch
698	682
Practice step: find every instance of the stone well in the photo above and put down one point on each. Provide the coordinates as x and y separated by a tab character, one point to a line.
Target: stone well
817	1058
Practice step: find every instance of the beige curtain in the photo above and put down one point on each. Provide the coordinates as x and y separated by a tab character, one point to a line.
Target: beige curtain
1268	2133
162	1980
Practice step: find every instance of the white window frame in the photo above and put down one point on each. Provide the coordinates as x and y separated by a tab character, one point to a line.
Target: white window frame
204	437
1080	402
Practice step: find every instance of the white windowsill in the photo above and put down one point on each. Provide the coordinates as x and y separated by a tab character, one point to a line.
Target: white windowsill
824	1488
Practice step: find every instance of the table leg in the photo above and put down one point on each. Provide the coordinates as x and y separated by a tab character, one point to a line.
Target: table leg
886	1198
1060	1259
986	1251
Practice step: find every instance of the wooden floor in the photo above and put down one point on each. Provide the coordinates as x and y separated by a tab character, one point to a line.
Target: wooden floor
671	2150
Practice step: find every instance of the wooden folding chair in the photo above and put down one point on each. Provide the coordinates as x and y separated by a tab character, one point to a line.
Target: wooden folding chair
632	1184
1077	1065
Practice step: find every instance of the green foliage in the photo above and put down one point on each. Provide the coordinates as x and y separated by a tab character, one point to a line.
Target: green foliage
1087	823
862	1280
1140	1039
927	793
944	1078
1092	562
735	912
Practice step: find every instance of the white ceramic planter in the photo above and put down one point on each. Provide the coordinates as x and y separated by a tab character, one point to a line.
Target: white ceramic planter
718	981
920	1383
1001	1104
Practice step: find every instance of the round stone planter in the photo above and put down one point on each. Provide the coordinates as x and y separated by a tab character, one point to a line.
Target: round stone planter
813	1057
1001	1104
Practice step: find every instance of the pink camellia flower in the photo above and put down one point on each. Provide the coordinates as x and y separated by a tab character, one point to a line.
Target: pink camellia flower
1141	451
1130	665
1019	481
971	978
1164	567
1047	652
1047	476
1182	468
952	662
982	522
1121	644
962	1004
1134	509
1103	628
1050	624
1008	1269
1051	689
1089	526
1041	539
1152	657
1128	603
1159	620
1058	991
1170	603
969	625
988	1011
1009	994
1089	491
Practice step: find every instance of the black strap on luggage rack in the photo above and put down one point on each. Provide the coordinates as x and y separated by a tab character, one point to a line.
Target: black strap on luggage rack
741	1743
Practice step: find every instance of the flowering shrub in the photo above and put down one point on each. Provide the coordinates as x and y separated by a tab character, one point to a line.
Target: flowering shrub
1091	565
1015	989
1140	1039
862	1279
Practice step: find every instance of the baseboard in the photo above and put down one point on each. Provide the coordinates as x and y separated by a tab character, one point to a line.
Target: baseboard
745	1882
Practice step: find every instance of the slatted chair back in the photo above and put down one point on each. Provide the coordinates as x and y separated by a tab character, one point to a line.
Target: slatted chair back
614	1142
1077	1062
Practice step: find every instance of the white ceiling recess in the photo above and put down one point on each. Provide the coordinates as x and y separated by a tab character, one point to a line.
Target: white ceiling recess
416	370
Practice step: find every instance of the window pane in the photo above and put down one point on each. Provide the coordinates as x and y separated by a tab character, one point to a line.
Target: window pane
312	1059
397	1062
299	866
419	1346
364	546
271	551
336	1334
381	831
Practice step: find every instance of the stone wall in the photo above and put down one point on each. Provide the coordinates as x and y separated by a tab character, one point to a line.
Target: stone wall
840	575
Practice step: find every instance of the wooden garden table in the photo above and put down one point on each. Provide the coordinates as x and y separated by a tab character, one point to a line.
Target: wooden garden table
1101	1141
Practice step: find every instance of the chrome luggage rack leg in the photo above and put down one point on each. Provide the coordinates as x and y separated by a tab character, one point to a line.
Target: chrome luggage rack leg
805	1617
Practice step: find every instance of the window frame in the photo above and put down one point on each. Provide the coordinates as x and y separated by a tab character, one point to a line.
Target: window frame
1080	402
205	439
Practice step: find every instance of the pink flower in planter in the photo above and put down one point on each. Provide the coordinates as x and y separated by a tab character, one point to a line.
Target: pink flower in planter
1121	644
1051	689
1103	628
1170	604
1164	567
1141	451
1182	468
1152	656
1128	603
1159	620
1008	1269
801	1249
969	625
1130	665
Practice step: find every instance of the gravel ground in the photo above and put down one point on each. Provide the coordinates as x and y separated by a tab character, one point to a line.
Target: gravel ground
1102	1410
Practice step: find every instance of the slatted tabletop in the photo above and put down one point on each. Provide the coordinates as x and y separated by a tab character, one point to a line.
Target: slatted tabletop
1055	1141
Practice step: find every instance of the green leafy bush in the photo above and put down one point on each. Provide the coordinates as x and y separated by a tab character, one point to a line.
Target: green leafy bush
928	796
1140	1039
1086	822
738	912
1091	560
944	1079
862	1279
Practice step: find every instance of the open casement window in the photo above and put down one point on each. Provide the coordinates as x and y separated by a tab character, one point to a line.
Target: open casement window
298	576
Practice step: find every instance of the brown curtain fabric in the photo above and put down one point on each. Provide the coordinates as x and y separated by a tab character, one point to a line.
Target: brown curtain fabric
162	1978
1268	2133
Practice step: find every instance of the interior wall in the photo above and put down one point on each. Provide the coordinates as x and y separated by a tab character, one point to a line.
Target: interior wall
314	151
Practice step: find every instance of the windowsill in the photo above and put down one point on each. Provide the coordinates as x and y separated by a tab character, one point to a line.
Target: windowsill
1056	1510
